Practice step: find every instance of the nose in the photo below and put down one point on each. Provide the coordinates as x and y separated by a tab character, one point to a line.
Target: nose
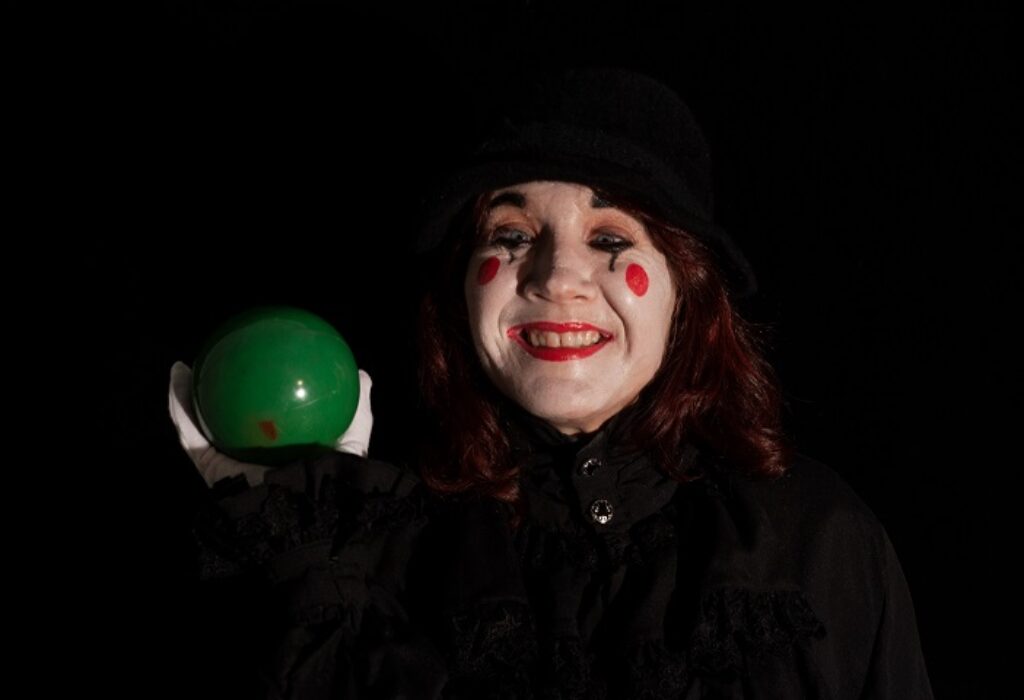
558	271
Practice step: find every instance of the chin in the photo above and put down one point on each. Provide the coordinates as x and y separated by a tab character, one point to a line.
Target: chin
560	402
564	413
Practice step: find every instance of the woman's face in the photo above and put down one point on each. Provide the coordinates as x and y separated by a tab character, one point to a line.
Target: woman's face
570	303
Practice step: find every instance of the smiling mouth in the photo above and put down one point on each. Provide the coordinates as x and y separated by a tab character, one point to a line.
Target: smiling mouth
559	342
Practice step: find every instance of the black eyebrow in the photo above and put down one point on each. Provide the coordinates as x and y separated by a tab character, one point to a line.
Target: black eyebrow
516	199
598	203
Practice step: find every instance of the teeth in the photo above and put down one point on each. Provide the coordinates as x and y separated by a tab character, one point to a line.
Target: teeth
547	339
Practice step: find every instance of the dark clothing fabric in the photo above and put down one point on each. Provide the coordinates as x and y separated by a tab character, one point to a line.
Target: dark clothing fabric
621	583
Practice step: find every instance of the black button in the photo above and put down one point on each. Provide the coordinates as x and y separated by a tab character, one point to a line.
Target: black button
590	466
601	511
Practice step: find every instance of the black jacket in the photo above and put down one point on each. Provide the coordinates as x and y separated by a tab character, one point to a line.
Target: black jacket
622	583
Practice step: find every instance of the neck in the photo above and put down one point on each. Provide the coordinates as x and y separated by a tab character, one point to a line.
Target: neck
588	427
550	433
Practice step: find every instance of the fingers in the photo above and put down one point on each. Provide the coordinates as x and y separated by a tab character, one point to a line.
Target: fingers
181	377
356	439
365	384
212	465
179	405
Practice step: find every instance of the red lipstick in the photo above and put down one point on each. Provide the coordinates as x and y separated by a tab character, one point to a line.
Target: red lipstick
517	333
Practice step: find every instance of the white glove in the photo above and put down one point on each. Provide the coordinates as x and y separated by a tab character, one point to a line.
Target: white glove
214	466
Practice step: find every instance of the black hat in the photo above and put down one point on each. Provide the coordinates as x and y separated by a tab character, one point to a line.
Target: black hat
603	127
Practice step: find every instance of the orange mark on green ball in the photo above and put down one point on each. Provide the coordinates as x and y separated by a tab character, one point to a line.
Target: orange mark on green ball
268	429
636	278
488	269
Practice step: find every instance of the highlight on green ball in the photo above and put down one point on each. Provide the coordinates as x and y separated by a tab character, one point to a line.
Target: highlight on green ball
275	384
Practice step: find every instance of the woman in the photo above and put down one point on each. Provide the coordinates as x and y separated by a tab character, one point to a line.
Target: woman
608	507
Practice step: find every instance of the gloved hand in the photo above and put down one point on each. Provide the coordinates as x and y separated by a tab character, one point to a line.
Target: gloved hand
214	465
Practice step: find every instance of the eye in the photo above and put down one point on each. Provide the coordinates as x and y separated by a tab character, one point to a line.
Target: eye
606	240
509	238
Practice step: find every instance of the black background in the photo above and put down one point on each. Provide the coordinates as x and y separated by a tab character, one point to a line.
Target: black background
273	152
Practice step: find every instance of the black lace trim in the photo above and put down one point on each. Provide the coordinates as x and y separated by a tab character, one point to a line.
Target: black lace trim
654	672
492	652
738	628
568	671
287	520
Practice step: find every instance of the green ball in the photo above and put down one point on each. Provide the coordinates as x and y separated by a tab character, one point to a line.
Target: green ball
275	384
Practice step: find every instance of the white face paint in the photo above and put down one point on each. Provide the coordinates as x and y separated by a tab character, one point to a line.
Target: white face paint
555	272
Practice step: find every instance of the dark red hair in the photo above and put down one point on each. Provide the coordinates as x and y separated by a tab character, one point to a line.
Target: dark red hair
714	388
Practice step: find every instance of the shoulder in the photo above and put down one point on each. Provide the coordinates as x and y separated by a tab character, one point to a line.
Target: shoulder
810	493
816	518
829	543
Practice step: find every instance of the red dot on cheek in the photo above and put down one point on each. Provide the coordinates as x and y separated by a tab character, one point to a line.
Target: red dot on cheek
488	269
636	278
